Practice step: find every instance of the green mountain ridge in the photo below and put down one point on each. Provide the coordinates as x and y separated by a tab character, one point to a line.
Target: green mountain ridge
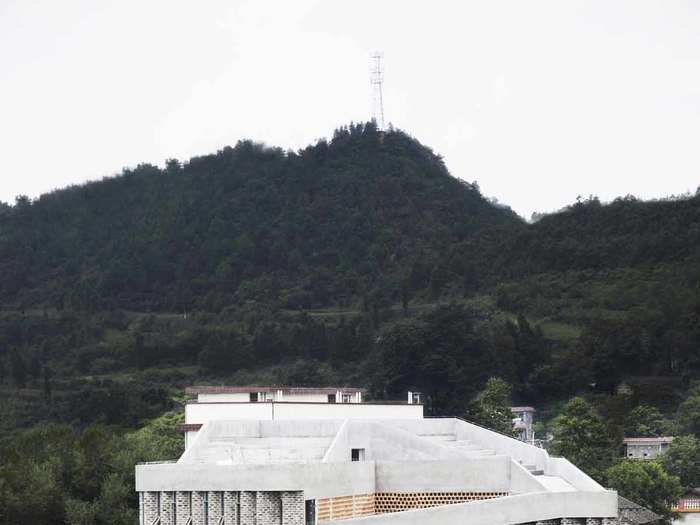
321	227
259	264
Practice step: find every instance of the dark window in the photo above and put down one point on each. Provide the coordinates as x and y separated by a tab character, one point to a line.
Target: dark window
357	454
253	397
331	398
173	507
310	512
205	504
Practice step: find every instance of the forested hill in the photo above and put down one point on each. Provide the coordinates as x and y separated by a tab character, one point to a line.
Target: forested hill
362	217
626	232
315	256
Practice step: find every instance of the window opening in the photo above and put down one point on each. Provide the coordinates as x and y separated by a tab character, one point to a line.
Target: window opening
357	454
310	512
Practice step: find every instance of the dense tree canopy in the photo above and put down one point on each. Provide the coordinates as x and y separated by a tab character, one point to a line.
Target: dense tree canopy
646	483
682	459
581	436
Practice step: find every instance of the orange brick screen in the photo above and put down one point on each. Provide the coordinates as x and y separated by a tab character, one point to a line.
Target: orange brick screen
346	507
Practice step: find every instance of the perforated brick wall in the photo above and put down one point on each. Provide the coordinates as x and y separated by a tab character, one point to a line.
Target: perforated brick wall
576	521
231	513
198	509
151	508
167	512
399	501
247	508
268	508
293	511
183	507
216	507
358	505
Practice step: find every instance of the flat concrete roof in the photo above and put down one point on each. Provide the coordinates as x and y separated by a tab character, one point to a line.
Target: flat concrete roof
204	389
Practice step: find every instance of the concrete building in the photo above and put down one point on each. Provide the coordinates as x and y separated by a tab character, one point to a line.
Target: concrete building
299	462
523	419
645	447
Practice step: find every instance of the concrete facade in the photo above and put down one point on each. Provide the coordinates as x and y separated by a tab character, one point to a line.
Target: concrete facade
354	463
201	412
245	471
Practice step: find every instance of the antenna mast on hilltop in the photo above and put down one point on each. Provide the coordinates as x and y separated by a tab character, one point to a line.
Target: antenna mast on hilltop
376	78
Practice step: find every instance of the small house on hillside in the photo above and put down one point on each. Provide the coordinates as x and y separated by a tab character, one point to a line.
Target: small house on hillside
646	447
523	418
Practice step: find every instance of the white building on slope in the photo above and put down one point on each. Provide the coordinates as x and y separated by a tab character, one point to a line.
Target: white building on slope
297	456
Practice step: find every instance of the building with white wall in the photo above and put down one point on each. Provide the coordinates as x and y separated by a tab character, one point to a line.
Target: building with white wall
646	447
267	403
282	462
523	423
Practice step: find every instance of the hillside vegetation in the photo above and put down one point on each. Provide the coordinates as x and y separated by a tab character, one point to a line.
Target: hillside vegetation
329	225
358	260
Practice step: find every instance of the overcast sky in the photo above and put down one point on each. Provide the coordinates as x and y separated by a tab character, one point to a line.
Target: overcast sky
538	101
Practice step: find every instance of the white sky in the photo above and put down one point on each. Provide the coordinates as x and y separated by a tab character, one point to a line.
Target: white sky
538	101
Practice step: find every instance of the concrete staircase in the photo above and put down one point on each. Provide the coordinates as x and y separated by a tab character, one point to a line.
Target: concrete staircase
552	483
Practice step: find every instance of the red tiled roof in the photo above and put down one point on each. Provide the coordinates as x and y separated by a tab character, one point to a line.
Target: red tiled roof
285	389
647	440
188	427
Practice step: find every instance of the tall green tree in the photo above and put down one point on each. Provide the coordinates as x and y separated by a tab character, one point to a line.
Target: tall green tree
646	421
492	406
682	459
580	435
688	415
646	483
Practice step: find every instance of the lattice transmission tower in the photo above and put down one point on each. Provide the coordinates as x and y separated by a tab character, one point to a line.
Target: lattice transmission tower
376	77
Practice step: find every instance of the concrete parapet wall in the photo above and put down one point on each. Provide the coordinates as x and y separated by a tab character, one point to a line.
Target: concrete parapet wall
347	411
566	470
316	479
326	480
277	428
210	411
491	474
522	481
